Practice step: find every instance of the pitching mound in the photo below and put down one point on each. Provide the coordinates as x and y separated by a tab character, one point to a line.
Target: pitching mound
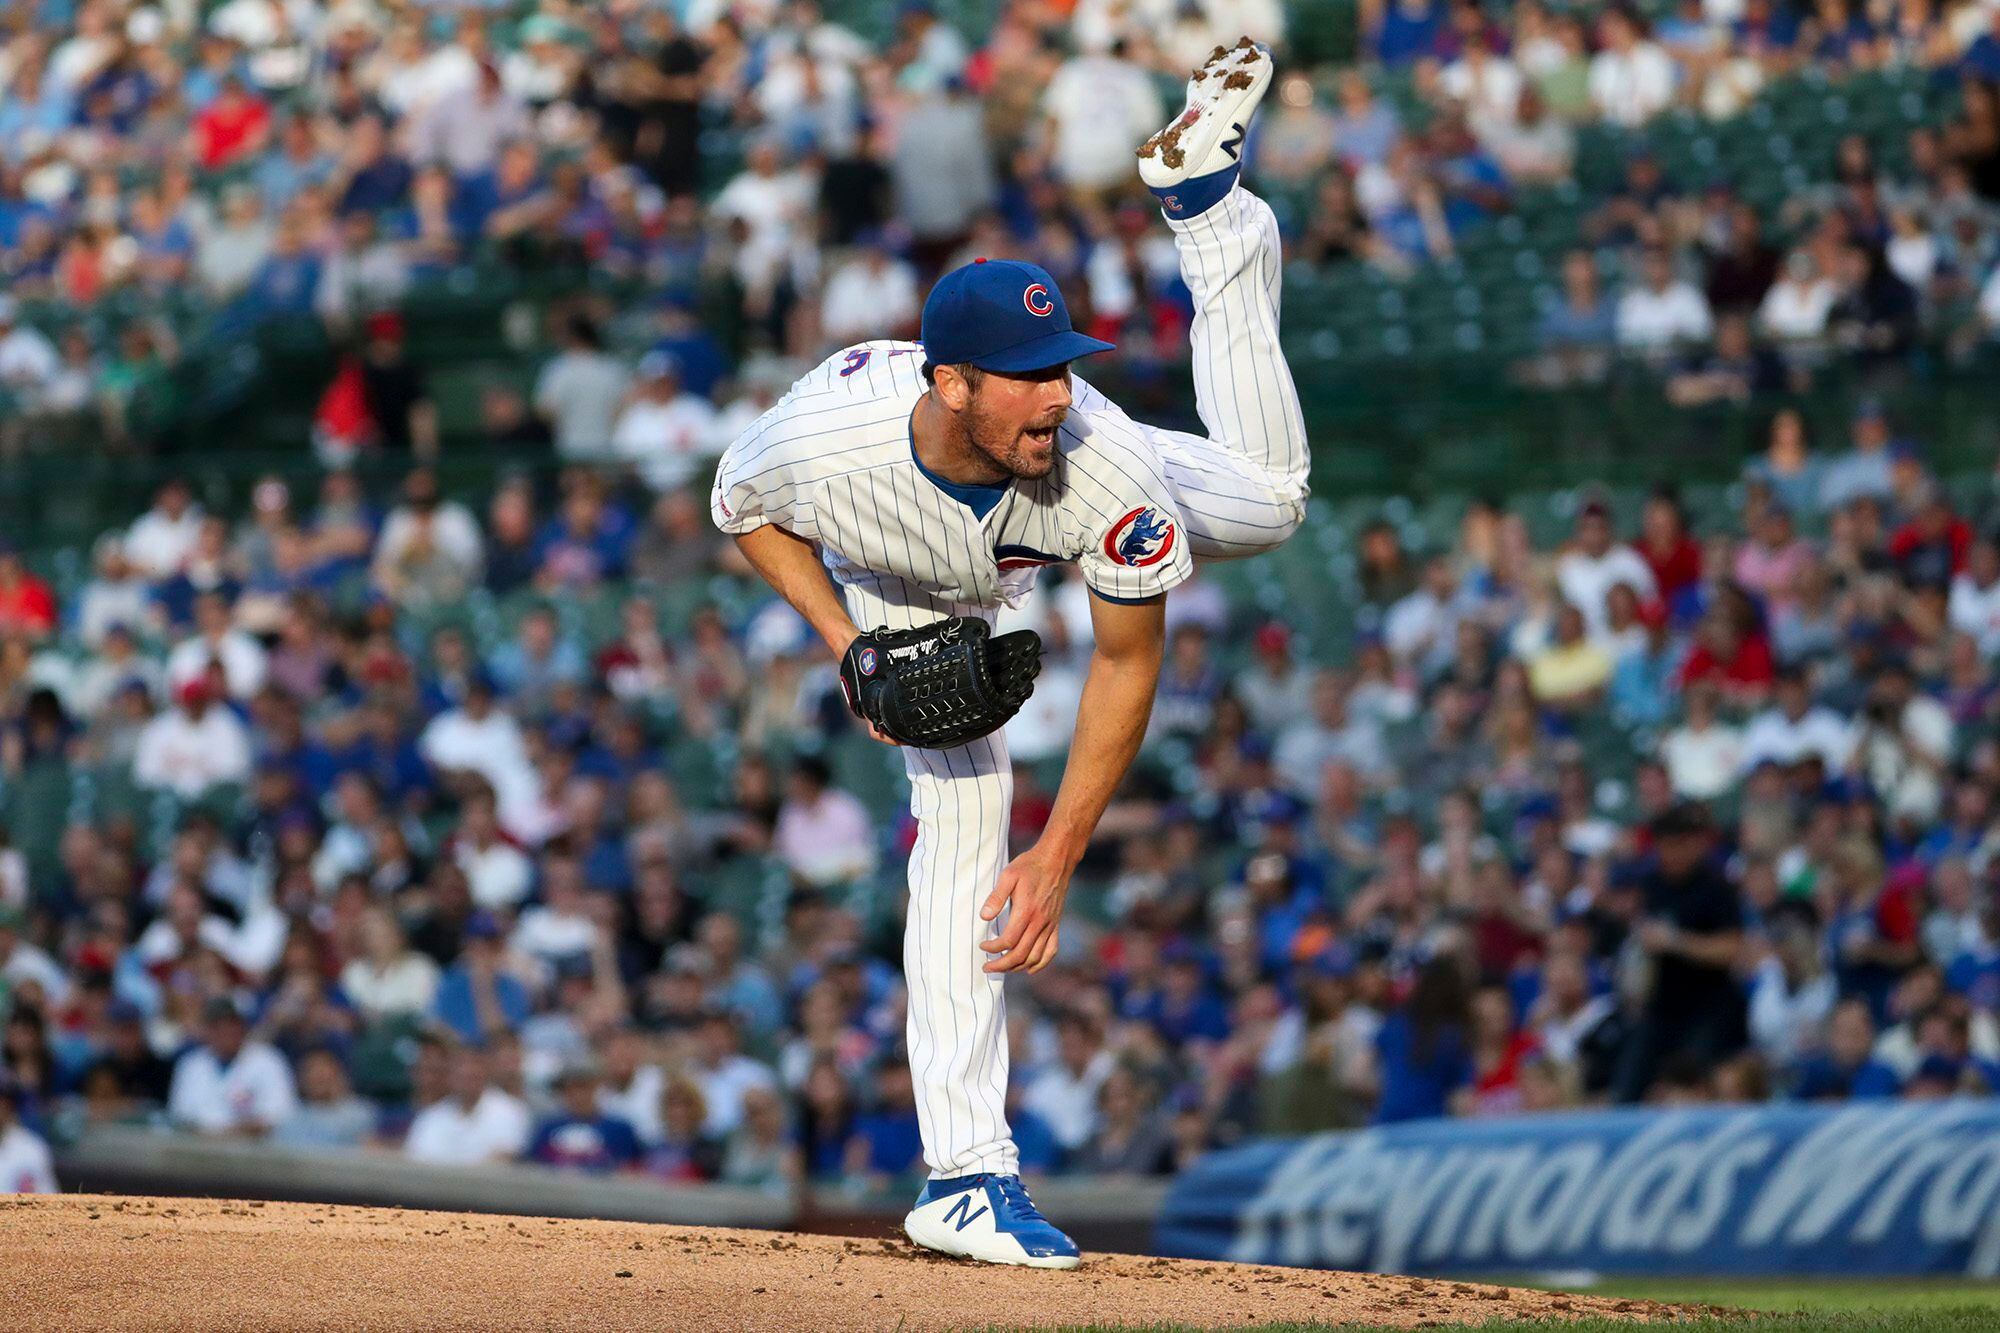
94	1261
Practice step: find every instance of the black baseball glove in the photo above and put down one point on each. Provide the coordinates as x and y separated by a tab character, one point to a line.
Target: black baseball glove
941	684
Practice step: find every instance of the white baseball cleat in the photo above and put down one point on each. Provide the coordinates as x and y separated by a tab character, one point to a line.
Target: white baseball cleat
988	1218
1207	136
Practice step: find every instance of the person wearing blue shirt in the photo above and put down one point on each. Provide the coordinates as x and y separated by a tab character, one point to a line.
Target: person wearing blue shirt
1185	1009
475	998
1408	31
886	1141
588	542
387	755
579	1137
1423	1050
1846	1068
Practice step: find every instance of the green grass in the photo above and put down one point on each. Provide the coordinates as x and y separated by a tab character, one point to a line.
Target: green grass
1784	1306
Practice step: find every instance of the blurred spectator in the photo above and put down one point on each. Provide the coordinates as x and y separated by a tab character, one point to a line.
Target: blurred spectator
230	1084
1662	312
580	1137
329	1114
665	432
1690	932
578	392
822	832
26	1165
473	1121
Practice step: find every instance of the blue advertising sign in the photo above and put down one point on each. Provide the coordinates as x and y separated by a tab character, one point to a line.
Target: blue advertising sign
1865	1188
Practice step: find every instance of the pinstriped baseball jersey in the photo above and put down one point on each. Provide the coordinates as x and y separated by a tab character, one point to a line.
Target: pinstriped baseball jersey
833	462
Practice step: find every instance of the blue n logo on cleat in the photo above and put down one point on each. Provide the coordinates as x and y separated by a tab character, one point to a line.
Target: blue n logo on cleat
961	1214
1230	146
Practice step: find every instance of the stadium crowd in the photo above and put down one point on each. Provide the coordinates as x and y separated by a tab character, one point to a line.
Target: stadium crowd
173	172
451	897
390	881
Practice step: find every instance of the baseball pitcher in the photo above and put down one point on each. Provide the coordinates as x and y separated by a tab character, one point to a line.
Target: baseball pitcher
931	480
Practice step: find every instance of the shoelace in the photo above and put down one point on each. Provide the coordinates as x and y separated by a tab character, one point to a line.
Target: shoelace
1016	1195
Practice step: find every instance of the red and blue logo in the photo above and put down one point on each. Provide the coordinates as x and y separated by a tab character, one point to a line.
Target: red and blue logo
1141	538
1036	298
867	661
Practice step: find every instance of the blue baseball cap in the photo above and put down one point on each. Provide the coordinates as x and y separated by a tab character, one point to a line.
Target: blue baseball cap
1003	315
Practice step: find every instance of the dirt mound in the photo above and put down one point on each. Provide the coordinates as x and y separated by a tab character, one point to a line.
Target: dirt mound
92	1261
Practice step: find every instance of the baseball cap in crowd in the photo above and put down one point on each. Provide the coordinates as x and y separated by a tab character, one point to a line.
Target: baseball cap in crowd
1001	315
219	1009
482	926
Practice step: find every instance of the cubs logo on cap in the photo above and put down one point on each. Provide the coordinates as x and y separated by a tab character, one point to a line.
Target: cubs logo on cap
1036	298
1141	538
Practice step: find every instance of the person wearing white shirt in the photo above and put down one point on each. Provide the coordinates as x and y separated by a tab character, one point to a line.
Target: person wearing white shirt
1421	629
478	737
1631	78
1064	1091
28	360
1596	563
873	295
1799	302
1098	105
242	659
578	392
497	873
1792	994
1792	729
431	549
1489	86
161	539
561	927
22	962
1974	606
472	1123
26	1165
1662	311
664	432
824	835
192	747
228	1084
724	1074
115	595
389	979
772	202
1703	757
1043	727
1905	745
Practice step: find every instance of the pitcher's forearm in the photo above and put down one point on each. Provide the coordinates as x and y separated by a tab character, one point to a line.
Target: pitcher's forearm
793	569
1111	719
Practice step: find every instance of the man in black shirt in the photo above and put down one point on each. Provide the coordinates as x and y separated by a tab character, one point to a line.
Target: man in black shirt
1691	933
399	402
669	139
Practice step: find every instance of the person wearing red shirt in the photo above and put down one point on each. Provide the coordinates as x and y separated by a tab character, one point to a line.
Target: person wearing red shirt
27	606
1731	650
1931	548
1668	550
231	127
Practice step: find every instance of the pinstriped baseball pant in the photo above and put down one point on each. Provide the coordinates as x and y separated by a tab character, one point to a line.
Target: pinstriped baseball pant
957	1024
1242	489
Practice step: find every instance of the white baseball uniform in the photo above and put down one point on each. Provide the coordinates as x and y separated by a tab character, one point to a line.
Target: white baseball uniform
833	462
